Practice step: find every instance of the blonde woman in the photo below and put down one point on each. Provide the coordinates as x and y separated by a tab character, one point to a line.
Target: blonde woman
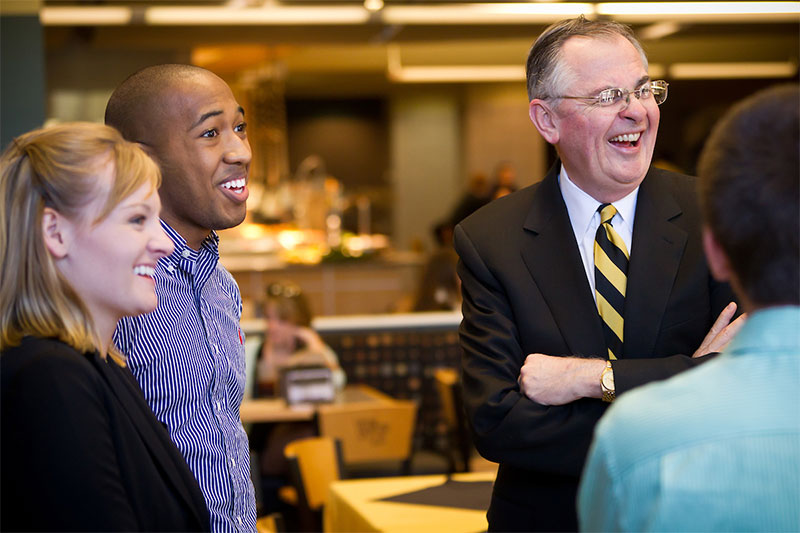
79	239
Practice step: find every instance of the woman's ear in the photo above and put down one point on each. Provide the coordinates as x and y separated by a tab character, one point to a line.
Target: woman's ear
57	232
544	119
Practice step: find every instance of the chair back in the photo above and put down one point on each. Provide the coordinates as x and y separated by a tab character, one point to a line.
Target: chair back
315	463
446	381
371	432
459	447
271	523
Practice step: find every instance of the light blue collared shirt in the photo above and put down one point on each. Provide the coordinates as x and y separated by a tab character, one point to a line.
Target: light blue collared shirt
716	448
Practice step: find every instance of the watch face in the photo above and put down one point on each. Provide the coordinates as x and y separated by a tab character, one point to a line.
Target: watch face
608	380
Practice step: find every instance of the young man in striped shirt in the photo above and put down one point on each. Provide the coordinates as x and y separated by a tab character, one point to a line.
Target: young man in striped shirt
188	354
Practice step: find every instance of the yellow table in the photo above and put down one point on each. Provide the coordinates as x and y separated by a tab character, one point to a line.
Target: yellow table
353	506
276	409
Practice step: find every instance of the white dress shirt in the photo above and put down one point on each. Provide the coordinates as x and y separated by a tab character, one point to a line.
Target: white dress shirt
585	220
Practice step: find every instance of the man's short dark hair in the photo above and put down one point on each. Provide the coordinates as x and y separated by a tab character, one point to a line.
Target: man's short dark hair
139	91
750	189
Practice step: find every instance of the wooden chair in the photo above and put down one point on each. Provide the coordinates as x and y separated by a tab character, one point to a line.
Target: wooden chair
371	432
459	449
314	463
271	523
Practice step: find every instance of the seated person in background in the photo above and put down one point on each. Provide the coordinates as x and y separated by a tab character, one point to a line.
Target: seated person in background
289	340
478	193
439	287
79	237
718	447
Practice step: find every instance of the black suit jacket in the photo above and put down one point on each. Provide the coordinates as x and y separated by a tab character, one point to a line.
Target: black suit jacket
525	291
82	451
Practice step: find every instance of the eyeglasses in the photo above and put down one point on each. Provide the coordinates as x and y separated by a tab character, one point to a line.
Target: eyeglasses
609	97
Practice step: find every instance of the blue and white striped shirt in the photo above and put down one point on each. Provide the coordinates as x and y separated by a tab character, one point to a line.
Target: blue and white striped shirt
188	356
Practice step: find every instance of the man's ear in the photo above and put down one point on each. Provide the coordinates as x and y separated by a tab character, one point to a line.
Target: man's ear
544	119
57	232
717	260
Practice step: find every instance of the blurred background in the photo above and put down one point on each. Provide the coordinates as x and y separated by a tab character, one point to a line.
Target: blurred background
370	121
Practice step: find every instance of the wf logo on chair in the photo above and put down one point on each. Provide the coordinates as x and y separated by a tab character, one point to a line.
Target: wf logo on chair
372	430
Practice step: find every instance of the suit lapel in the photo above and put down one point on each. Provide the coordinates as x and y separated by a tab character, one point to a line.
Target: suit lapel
124	387
551	255
656	253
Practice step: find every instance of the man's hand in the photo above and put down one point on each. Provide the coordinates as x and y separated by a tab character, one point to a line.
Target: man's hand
721	332
549	380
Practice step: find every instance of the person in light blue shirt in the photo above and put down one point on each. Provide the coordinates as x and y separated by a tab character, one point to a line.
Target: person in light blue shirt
717	448
188	355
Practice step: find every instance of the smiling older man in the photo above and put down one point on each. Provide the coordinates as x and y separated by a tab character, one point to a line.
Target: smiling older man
584	285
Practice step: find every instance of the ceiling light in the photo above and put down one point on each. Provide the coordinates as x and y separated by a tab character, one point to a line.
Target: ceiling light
267	15
501	13
474	73
373	5
459	74
85	16
449	73
243	12
701	11
709	71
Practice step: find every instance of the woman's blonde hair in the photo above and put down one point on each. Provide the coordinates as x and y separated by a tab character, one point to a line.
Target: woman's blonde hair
56	167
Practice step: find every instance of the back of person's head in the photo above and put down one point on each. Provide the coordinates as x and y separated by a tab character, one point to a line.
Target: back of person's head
287	302
478	184
443	233
547	76
505	174
439	286
128	109
58	168
750	189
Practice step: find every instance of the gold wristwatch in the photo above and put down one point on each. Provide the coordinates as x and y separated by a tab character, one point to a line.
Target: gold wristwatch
607	383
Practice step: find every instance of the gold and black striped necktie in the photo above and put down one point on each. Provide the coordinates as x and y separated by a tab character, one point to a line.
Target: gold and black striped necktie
611	276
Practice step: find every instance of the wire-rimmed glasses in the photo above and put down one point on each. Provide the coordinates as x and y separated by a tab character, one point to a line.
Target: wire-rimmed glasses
609	97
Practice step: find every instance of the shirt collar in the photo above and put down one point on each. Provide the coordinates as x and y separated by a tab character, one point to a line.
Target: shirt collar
582	207
769	329
183	256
